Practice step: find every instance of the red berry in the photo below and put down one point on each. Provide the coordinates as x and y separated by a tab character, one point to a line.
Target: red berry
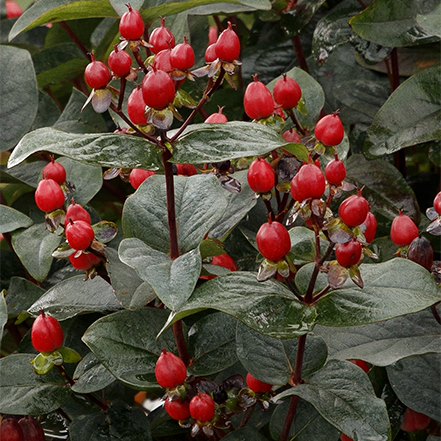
213	35
84	261
421	252
335	172
182	56
10	430
353	210
348	254
47	334
32	431
136	107
287	92
170	370
97	74
225	261
49	196
292	136
13	9
120	62
362	364
178	410
138	176
273	241
77	212
210	53
414	421
261	176
186	169
308	183
403	230
257	386
437	203
54	170
163	62
329	130
161	38
158	89
202	408
345	438
370	224
217	118
228	45
258	101
79	234
131	25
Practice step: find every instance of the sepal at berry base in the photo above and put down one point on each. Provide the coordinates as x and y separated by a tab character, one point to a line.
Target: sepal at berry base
44	363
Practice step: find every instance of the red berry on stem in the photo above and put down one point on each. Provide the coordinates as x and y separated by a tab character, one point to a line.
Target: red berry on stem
287	92
138	176
97	74
13	10
158	89
370	224
335	172
258	101
49	196
329	130
10	430
210	53
56	171
292	136
79	234
136	107
414	421
261	176
308	183
421	252
225	261
202	408
345	438
120	62
228	45
217	118
84	261
32	431
403	230
257	386
348	254
170	370
161	38
353	210
131	25
186	169
178	410
47	334
273	241
437	203
213	35
182	56
76	212
163	62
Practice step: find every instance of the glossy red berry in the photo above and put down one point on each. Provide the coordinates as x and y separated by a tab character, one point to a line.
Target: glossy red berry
55	170
292	136
421	252
47	334
308	183
273	241
414	421
170	370
182	56
217	118
138	176
131	25
257	386
213	34
348	254
202	408
84	261
258	101
362	364
120	62
186	169
287	92
353	210
158	89
329	130
335	172
161	38
163	62
403	230
210	53
49	196
437	203
32	431
136	107
261	176
77	212
13	9
228	45
225	261
10	430
79	234
97	74
178	410
370	225
345	438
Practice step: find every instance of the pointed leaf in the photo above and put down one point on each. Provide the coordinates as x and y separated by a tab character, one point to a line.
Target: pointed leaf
11	219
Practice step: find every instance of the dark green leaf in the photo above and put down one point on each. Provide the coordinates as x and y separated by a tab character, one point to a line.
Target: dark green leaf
200	204
28	172
394	129
75	296
303	277
18	89
391	289
21	295
48	112
297	18
224	8
3	313
430	22
245	434
302	245
11	219
23	392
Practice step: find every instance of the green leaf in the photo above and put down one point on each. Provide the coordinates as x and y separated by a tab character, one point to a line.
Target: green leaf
34	247
3	313
415	380
69	355
268	307
393	129
200	204
218	142
271	360
19	93
105	231
212	341
21	295
343	395
172	279
91	376
74	296
391	289
303	245
125	343
11	219
105	149
303	277
430	22
23	392
224	8
48	112
384	343
393	23
245	434
297	18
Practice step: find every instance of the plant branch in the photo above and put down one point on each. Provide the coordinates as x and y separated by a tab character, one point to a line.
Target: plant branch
295	120
436	313
322	293
75	39
138	58
298	48
269	208
122	91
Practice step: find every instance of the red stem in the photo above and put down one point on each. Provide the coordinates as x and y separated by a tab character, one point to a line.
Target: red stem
298	47
75	39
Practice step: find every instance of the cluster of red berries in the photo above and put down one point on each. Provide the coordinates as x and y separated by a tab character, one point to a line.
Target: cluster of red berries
23	429
49	195
47	334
